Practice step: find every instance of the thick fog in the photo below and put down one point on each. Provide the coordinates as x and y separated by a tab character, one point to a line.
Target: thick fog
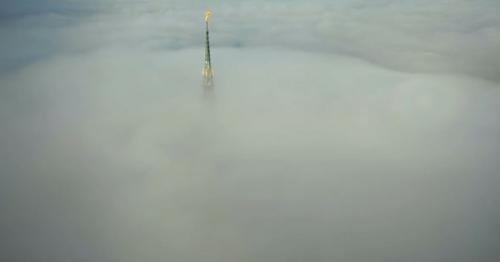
337	131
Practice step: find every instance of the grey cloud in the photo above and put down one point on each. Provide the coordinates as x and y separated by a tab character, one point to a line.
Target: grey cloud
110	152
424	36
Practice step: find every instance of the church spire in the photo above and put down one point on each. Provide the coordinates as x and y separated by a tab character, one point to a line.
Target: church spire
208	74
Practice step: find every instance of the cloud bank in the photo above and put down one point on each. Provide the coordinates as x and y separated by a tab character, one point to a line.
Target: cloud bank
339	131
425	36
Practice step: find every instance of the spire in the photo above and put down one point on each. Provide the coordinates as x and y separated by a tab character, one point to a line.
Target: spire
208	75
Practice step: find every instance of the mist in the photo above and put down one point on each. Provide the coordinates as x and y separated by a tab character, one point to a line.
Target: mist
337	131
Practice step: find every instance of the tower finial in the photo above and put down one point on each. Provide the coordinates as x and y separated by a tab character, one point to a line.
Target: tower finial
208	14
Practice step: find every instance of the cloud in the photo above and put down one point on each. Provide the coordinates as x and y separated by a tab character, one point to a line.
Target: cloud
110	152
455	37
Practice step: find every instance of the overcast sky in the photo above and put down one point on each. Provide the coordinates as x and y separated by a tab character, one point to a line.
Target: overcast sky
338	131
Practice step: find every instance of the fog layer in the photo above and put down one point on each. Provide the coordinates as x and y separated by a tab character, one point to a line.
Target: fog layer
317	144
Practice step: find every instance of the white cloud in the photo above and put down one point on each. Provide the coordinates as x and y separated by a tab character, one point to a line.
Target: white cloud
109	152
